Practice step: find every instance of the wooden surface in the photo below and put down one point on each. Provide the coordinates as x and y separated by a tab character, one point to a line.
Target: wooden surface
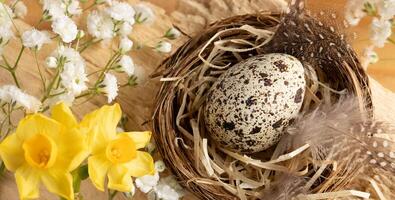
138	106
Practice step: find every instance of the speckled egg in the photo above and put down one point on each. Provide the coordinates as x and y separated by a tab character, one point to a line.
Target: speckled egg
250	105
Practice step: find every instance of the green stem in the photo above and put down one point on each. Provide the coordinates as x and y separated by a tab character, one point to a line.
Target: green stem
83	95
391	40
39	70
50	87
13	74
19	57
108	65
2	169
13	5
111	195
90	42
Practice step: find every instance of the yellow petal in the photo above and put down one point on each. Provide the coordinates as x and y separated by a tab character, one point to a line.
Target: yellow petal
59	183
101	126
11	152
119	178
38	123
141	139
142	165
27	180
63	115
72	150
98	166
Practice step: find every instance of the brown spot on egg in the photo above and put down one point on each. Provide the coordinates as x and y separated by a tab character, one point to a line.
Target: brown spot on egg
255	130
228	126
278	124
298	96
250	101
281	65
267	82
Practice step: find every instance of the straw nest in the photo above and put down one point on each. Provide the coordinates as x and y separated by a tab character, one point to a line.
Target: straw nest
212	172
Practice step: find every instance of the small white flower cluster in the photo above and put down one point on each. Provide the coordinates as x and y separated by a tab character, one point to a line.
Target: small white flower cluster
72	75
6	29
60	13
118	19
12	94
35	39
383	12
160	189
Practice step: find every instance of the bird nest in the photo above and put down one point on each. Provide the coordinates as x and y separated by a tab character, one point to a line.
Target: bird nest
212	172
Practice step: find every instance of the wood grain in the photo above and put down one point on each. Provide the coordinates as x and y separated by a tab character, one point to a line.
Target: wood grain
137	102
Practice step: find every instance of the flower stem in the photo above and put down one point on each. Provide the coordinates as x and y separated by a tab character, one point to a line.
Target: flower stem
50	86
13	74
19	57
106	68
88	43
39	69
111	195
2	169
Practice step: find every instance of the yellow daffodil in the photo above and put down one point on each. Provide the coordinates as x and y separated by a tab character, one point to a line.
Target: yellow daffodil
45	150
115	156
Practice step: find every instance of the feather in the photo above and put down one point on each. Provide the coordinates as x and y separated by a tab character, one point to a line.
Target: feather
341	134
285	187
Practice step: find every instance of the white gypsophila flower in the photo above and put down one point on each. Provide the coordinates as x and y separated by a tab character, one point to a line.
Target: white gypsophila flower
73	77
54	8
168	189
20	9
354	12
144	14
125	44
126	65
6	16
386	9
6	34
35	38
65	28
110	87
163	47
51	62
11	93
100	25
160	166
147	183
121	11
172	33
381	30
60	8
73	7
125	29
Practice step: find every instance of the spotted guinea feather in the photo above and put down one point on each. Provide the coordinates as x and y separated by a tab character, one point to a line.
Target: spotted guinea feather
341	133
318	42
